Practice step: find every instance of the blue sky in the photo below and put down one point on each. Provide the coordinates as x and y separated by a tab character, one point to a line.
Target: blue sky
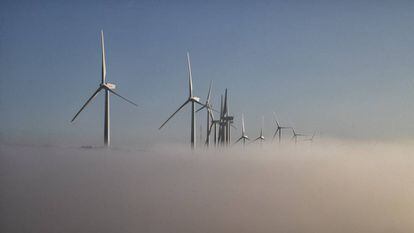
343	68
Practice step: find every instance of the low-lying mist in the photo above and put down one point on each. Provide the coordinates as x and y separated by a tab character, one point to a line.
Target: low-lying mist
319	187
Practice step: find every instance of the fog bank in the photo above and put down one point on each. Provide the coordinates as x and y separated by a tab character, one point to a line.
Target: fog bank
350	187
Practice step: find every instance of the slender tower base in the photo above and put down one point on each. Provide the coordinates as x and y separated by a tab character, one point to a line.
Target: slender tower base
215	134
106	123
208	129
193	129
228	134
280	136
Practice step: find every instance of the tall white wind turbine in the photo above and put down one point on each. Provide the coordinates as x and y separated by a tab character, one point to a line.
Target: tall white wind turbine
243	137
191	99
107	88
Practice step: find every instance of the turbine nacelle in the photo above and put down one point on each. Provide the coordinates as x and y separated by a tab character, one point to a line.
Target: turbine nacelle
196	99
109	86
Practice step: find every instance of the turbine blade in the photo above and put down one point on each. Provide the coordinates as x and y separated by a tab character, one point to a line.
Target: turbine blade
209	91
209	132
201	108
103	59
275	119
190	77
186	102
274	135
87	102
127	100
261	130
198	102
238	140
221	106
211	114
225	108
243	130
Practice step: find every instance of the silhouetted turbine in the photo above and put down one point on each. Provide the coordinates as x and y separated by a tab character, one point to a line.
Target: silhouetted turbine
279	128
296	135
311	138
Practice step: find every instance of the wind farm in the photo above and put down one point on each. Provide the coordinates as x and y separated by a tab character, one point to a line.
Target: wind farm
206	116
222	136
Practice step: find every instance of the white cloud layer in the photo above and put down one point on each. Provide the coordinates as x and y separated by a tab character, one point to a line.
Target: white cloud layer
334	187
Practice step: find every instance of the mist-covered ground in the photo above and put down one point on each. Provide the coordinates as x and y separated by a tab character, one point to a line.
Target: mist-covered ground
323	187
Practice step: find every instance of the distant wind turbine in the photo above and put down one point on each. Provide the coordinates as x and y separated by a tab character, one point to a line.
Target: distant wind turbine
208	106
107	88
243	137
191	99
279	128
311	138
261	137
296	135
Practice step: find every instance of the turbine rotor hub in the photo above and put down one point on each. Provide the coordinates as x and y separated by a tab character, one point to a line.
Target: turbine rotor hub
109	86
194	98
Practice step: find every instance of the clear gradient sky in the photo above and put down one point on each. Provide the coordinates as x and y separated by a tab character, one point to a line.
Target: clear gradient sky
345	68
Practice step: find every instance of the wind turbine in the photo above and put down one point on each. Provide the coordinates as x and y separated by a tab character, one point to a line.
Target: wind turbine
191	99
261	137
226	121
296	135
228	118
279	128
220	137
107	88
208	106
214	124
311	138
243	137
